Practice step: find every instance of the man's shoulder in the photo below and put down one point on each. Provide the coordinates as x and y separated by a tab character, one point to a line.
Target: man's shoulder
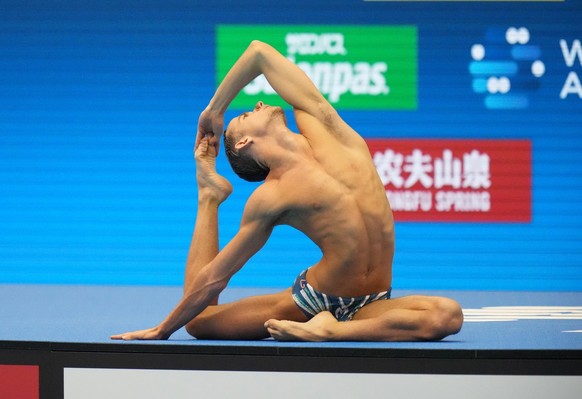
328	131
286	193
266	200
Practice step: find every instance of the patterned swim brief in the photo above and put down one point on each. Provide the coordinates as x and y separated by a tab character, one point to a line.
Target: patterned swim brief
312	302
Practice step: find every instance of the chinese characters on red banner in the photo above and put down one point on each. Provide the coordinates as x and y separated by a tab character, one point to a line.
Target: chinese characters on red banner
455	180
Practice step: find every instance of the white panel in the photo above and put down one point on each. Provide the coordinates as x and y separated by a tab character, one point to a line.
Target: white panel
176	384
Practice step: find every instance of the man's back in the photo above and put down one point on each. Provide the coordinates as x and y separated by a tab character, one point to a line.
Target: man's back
337	199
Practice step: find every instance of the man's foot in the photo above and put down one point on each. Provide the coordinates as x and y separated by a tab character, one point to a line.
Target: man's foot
319	328
211	185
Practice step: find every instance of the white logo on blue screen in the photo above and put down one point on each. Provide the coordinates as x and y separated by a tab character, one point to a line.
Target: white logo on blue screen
506	68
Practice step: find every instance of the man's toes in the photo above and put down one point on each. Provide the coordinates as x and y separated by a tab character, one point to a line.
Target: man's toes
271	325
202	147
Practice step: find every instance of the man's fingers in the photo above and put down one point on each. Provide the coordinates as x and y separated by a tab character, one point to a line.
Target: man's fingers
150	333
127	336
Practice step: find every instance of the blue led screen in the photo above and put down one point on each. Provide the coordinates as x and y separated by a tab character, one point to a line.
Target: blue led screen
98	110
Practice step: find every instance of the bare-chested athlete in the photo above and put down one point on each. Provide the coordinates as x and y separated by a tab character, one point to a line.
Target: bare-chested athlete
322	182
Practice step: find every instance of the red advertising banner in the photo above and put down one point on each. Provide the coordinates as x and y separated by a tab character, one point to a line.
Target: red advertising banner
455	180
19	381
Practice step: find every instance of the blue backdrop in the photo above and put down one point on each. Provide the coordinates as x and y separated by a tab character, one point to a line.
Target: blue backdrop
98	108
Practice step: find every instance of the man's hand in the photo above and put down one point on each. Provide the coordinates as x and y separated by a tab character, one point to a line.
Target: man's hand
210	124
149	334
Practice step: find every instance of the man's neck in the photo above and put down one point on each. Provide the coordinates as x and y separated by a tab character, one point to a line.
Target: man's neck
284	151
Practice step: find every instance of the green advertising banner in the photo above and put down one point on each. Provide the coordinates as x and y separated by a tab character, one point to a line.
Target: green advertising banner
355	67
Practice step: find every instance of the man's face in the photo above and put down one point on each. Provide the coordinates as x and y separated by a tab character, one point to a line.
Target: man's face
257	120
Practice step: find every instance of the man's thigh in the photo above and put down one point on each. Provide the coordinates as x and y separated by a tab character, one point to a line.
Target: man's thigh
406	303
245	319
414	317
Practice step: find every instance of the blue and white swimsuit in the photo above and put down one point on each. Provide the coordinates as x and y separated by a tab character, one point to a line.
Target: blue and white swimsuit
312	302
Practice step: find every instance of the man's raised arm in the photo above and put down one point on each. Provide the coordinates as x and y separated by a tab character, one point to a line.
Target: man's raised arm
286	78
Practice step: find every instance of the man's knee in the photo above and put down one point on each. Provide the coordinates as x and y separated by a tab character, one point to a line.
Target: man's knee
199	329
445	318
192	328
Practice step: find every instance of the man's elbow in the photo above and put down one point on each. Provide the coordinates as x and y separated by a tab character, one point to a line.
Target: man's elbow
214	286
257	45
218	286
260	49
209	287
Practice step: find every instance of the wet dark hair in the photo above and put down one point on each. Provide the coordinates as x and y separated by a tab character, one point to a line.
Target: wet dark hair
244	166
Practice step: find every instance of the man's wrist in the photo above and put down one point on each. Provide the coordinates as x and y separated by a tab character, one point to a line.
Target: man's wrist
216	107
162	332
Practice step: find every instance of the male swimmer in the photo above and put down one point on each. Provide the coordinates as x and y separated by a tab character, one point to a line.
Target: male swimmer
322	182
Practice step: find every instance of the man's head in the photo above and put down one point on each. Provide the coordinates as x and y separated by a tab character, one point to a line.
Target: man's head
240	140
243	164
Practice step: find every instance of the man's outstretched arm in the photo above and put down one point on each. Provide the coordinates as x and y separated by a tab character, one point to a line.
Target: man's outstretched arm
213	278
